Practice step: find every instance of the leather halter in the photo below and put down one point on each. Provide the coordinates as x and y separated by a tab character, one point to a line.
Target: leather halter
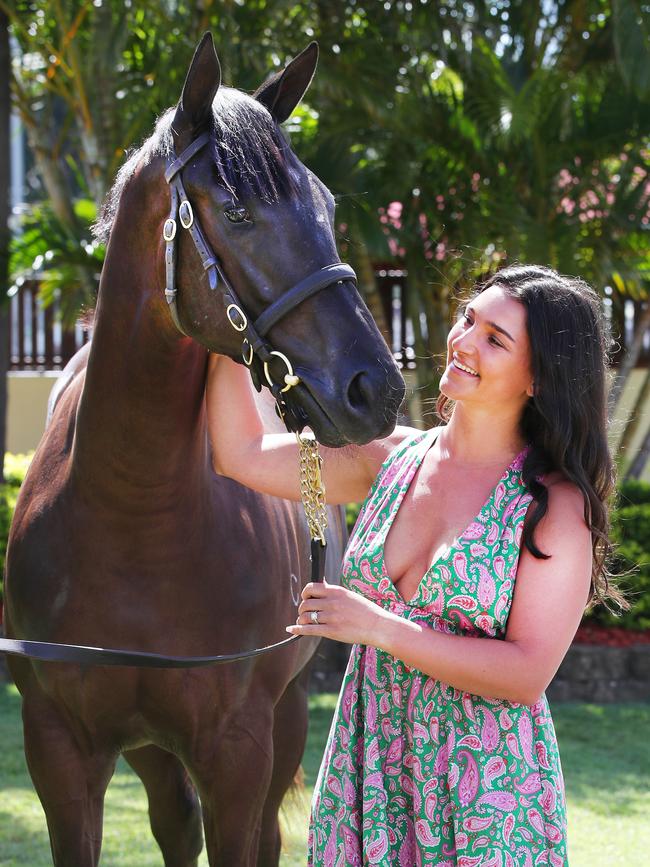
257	352
254	346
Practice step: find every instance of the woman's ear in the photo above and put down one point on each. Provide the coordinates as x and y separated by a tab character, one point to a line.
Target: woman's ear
531	391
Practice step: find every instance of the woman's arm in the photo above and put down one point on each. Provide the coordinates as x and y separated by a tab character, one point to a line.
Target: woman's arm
548	603
244	450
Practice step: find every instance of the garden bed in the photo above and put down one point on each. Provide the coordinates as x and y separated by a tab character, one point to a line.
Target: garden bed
610	636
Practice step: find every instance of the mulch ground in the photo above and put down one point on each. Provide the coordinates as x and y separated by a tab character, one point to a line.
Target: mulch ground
610	636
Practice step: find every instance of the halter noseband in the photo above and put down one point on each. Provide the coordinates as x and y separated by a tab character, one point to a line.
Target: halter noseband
254	345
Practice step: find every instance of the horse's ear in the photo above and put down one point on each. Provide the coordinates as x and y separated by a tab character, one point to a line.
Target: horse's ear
282	92
202	82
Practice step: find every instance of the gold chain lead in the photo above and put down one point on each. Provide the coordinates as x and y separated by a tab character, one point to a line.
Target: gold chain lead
312	490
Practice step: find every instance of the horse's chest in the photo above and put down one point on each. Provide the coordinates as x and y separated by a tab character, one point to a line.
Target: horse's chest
209	554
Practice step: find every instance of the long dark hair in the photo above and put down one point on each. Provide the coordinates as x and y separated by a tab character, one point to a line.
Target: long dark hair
565	422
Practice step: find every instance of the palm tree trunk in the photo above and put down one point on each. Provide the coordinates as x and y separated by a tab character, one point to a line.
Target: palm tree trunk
640	461
635	419
5	210
629	360
49	170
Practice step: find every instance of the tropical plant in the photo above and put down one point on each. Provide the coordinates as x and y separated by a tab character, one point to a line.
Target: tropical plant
527	138
503	129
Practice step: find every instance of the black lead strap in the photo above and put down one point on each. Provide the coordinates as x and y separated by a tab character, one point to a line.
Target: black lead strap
50	652
47	651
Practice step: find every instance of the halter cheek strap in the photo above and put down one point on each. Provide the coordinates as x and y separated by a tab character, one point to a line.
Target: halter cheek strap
181	211
257	352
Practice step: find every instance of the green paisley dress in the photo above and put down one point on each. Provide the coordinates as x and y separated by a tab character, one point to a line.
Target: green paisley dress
416	772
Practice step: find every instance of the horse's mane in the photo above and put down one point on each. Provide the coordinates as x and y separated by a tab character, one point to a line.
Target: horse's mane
250	153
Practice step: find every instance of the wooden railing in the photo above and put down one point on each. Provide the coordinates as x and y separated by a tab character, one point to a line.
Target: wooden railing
38	341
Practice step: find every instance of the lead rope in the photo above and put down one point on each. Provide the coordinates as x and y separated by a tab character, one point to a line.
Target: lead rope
312	494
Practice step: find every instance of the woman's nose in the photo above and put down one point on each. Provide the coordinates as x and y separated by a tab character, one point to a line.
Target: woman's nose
464	340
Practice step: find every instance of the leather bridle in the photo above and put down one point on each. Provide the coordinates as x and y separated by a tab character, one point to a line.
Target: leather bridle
256	353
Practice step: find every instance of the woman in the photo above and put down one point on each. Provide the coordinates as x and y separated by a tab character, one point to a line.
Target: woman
493	526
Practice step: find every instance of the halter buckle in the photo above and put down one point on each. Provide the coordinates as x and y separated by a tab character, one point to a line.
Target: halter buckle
169	229
186	214
290	378
241	324
247	353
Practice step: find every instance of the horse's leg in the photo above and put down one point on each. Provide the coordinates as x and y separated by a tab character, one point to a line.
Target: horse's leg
70	781
233	775
289	736
174	810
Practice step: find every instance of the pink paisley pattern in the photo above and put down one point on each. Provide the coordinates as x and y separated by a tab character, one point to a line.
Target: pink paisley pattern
416	772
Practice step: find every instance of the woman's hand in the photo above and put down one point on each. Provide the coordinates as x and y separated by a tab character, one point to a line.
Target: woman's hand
341	615
250	445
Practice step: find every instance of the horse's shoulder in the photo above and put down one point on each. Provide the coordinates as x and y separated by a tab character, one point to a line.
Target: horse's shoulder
70	373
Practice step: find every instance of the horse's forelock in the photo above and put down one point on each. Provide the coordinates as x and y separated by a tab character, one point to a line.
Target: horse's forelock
251	155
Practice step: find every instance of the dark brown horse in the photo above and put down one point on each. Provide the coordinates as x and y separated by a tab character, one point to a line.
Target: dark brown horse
124	536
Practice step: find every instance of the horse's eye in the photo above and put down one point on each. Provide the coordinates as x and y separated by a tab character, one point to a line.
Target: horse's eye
238	215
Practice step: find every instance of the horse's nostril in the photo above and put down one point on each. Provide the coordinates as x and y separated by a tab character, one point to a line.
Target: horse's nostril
356	393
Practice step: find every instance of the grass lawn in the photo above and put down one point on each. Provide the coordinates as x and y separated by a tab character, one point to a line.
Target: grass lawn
606	759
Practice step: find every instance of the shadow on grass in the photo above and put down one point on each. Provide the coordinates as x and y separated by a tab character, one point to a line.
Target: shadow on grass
24	841
605	753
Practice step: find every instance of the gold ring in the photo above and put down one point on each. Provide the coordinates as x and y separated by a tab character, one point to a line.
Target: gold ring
289	378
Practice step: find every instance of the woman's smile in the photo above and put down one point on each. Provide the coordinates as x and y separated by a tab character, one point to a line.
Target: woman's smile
459	367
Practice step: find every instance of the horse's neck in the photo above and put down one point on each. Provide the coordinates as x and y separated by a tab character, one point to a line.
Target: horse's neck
140	423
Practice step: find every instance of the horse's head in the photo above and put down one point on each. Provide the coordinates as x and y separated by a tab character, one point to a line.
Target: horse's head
250	262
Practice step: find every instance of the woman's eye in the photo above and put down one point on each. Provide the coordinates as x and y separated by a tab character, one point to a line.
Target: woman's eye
238	215
494	341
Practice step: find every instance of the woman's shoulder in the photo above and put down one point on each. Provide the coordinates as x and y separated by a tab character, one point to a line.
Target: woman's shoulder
566	501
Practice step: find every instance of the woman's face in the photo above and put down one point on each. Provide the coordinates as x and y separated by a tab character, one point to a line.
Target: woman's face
488	353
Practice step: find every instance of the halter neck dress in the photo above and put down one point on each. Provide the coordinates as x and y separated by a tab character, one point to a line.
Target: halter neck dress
416	772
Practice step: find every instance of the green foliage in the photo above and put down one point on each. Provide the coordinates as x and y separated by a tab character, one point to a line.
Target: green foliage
14	472
351	514
631	532
468	118
55	255
631	561
633	492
